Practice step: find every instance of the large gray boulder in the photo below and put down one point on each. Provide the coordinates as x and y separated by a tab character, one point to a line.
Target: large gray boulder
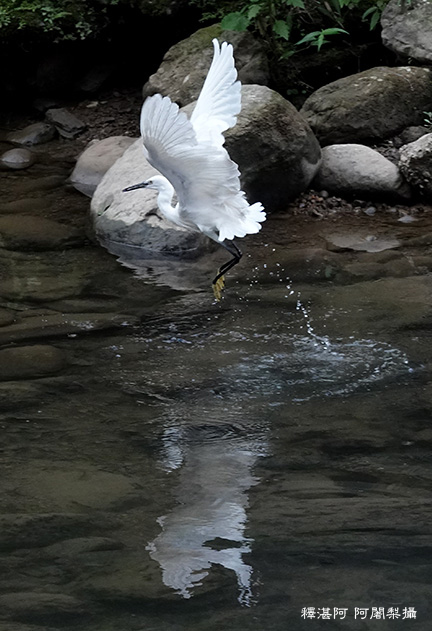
407	28
358	170
276	151
369	106
95	160
275	148
416	164
184	67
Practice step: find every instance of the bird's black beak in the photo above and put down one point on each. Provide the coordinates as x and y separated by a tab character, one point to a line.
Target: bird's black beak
135	186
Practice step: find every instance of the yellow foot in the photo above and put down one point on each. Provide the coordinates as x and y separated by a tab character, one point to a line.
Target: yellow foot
218	288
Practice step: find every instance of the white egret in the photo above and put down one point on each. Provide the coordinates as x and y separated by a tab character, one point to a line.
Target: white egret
196	166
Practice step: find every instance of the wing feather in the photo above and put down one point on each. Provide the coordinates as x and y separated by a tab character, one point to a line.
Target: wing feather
200	173
220	99
190	153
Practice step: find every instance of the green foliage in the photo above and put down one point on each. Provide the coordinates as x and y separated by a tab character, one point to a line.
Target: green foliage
318	38
61	19
290	25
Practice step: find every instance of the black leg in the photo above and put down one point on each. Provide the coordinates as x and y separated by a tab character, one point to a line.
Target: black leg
237	254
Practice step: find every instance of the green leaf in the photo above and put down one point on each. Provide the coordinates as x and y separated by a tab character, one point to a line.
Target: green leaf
368	12
253	11
235	21
333	31
310	37
374	20
320	41
282	28
295	3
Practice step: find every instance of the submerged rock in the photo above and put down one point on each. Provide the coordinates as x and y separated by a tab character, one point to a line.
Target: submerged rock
406	29
95	161
41	326
27	232
17	159
352	169
371	105
35	530
367	243
40	606
184	67
34	134
26	206
26	362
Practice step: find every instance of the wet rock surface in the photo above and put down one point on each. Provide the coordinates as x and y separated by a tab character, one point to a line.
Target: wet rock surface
27	232
30	361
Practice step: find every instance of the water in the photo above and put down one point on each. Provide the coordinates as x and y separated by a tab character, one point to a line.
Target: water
195	465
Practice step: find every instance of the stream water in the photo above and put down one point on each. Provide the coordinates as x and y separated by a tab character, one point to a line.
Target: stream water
258	464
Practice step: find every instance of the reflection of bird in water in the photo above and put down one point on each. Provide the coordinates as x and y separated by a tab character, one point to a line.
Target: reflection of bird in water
196	166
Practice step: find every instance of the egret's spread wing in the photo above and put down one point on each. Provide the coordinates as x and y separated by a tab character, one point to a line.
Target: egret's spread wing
204	177
166	133
220	99
200	173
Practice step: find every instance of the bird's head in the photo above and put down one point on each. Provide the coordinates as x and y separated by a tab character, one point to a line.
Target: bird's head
155	182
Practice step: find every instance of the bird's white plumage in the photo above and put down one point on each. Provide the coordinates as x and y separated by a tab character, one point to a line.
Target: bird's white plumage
220	99
190	154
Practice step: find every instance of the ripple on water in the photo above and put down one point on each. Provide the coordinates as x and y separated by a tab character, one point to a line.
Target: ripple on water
312	366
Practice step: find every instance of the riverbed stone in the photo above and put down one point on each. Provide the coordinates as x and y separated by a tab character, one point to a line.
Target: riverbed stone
6	317
409	134
361	107
17	159
361	242
40	606
28	232
357	170
28	362
82	545
184	67
416	164
406	29
27	206
394	303
60	325
36	530
46	183
34	134
19	394
66	123
95	161
82	485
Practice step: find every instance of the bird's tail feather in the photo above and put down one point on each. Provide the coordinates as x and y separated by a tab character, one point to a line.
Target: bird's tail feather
248	223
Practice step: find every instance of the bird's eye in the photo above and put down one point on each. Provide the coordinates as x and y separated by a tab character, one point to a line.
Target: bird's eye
149	181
